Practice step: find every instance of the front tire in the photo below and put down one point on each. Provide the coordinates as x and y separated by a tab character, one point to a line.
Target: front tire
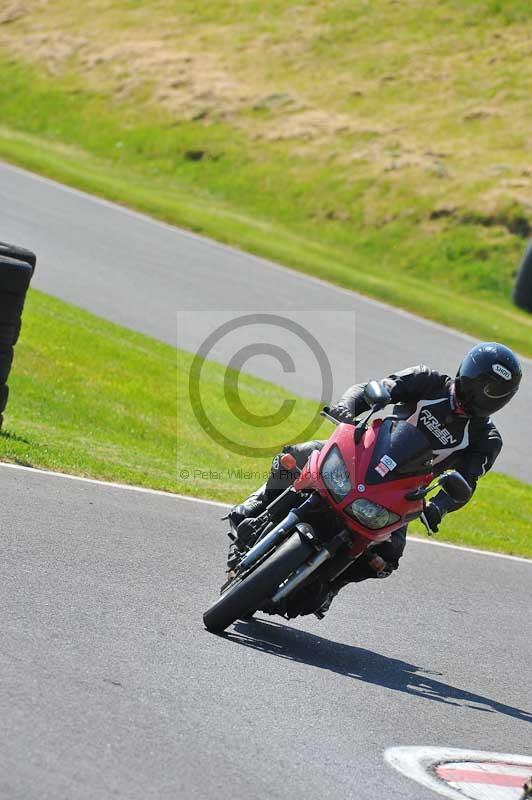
246	597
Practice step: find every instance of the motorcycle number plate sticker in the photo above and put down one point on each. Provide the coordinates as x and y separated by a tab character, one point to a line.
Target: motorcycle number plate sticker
472	774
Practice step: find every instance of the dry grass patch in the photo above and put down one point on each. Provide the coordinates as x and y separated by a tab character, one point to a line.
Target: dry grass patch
424	95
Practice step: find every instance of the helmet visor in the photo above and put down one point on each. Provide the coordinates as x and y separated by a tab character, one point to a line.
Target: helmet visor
482	398
495	390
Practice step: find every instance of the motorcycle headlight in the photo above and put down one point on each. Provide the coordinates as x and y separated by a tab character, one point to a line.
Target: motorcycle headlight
372	515
336	475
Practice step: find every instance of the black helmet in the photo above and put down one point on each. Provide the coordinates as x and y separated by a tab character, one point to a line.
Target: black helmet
487	379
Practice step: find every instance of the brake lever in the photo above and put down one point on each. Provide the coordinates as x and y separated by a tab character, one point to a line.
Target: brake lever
325	413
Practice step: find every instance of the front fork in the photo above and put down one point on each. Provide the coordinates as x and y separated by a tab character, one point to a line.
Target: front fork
324	553
294	519
278	533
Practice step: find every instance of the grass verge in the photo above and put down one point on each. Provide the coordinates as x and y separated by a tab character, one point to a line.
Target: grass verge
94	399
82	398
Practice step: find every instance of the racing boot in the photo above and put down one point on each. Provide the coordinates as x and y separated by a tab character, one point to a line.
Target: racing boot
254	505
240	518
332	590
371	565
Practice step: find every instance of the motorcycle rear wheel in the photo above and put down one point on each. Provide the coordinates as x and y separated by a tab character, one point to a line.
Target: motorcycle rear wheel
246	596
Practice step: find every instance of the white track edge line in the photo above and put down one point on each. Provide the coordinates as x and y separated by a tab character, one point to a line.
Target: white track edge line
94	481
129	487
466	549
260	260
219	504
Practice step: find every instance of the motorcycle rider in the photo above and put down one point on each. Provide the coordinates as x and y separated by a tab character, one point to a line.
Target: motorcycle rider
454	415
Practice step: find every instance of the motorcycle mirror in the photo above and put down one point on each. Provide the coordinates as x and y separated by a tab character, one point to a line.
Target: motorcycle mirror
456	486
376	395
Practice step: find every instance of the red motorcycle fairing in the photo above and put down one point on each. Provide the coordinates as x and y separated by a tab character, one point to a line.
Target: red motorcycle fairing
357	458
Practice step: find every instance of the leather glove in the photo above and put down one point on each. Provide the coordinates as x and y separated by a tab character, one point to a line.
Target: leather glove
431	517
341	413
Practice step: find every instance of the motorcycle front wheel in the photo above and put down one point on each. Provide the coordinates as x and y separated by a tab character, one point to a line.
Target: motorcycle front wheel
248	595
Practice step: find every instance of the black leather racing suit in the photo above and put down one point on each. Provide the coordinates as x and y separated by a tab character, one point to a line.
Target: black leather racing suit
426	399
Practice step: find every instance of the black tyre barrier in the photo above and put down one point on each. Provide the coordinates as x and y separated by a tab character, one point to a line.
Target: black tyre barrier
18	253
4	394
6	359
15	276
523	283
11	306
8	331
16	269
18	327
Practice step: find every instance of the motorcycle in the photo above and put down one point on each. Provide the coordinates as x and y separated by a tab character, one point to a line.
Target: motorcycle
367	481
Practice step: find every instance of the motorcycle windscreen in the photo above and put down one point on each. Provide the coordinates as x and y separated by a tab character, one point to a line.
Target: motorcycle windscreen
400	451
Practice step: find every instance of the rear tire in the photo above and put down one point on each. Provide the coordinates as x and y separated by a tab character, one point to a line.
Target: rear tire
245	598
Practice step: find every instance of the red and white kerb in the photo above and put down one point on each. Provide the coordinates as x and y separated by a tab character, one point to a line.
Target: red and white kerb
464	773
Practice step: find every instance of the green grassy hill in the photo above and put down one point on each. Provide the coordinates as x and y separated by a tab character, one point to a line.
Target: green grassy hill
381	145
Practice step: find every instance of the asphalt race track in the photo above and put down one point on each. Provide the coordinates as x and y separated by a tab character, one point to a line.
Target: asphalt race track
146	276
111	688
